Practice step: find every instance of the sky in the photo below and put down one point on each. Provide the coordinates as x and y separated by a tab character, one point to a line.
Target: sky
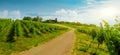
84	11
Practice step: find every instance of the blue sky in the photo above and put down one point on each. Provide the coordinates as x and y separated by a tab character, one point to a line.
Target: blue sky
44	7
85	11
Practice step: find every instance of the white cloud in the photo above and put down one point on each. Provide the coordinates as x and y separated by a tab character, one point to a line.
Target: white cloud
67	15
66	12
4	13
76	15
16	14
61	12
89	2
92	12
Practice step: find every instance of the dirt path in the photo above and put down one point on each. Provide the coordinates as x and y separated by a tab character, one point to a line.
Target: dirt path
62	45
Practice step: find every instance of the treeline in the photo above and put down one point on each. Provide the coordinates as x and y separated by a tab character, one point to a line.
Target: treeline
40	19
37	18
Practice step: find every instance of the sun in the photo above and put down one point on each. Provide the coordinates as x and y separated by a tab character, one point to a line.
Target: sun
109	11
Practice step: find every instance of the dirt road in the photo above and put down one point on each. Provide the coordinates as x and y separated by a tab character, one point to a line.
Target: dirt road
62	45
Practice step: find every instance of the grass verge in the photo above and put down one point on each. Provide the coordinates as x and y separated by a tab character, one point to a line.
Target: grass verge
84	45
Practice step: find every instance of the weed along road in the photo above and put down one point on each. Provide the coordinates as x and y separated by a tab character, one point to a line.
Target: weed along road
62	45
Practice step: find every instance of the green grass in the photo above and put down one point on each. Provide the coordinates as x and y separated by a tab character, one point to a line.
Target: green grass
23	43
84	45
22	35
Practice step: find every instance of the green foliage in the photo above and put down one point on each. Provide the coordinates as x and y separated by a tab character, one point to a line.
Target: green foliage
108	34
27	18
19	29
51	21
4	23
56	20
93	34
112	38
39	19
76	24
82	43
20	35
101	36
10	37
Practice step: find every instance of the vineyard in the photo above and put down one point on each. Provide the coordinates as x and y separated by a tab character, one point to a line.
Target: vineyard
20	35
96	40
103	40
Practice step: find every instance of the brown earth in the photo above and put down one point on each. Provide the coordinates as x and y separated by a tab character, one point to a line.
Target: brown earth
62	45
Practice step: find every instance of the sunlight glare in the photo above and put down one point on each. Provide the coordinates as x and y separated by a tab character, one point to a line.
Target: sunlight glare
109	12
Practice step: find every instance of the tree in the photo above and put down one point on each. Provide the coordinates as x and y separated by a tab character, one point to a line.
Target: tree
55	20
40	19
27	18
37	19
